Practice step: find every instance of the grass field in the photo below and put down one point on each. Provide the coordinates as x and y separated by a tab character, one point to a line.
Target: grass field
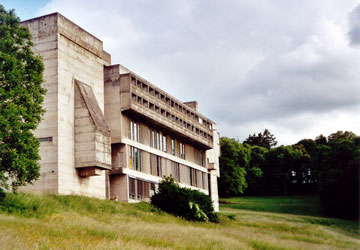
302	205
71	222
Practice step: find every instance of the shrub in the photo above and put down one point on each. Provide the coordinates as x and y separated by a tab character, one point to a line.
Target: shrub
2	194
187	203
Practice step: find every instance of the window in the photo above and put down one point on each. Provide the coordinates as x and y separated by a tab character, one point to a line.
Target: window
44	139
134	131
135	160
158	166
172	147
205	181
139	189
156	139
193	177
201	157
132	189
164	143
152	138
158	142
175	171
182	150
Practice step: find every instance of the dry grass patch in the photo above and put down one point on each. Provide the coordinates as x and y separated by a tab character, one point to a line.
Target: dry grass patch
84	223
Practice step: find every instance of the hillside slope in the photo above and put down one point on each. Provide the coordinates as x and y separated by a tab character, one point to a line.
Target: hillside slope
72	222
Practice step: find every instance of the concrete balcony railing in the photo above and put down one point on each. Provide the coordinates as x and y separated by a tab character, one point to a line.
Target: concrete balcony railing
164	113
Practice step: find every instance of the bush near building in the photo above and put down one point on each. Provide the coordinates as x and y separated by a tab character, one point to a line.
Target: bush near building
187	203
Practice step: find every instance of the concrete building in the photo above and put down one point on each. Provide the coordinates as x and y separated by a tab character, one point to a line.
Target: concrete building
109	133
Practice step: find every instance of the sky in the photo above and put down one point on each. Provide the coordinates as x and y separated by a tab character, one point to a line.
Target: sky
292	66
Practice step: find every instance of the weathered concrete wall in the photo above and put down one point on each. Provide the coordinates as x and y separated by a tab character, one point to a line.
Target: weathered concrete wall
214	192
44	36
79	58
212	157
119	187
68	52
92	135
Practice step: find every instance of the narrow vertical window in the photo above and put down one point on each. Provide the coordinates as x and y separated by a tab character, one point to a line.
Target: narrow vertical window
182	150
131	157
172	147
136	159
160	142
135	131
157	140
131	135
158	166
153	138
138	132
164	143
201	158
132	190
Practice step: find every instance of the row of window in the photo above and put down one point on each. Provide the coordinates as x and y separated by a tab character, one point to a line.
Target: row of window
170	116
140	189
158	166
157	139
169	101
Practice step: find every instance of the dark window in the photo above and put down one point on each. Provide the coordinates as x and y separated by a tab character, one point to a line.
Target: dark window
44	139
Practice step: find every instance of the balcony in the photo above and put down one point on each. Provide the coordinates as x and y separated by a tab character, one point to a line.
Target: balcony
155	107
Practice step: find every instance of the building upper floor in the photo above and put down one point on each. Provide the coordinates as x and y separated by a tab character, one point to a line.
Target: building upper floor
130	94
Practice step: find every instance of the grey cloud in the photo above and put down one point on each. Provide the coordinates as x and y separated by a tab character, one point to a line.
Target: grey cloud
247	63
354	21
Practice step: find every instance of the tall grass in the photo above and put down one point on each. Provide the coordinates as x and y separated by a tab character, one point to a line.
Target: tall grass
71	222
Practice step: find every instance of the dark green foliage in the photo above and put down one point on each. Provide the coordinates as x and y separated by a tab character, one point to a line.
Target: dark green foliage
255	174
285	166
320	140
339	162
21	96
187	203
328	167
2	195
234	159
265	139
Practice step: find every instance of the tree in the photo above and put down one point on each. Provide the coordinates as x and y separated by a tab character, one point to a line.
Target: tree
321	140
284	167
339	162
265	139
234	160
21	96
311	170
341	135
254	175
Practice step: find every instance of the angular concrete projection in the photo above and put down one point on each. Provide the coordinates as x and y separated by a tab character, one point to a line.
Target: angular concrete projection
92	134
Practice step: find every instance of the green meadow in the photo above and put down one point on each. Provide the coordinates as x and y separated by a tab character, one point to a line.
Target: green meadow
71	222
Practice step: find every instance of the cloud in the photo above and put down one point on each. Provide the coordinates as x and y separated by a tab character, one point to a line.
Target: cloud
251	65
354	19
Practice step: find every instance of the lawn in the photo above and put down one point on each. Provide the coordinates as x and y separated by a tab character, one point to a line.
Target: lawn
72	222
302	205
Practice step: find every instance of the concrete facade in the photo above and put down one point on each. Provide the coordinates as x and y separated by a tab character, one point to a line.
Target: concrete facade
109	133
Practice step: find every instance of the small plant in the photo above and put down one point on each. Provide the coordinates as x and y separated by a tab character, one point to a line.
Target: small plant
187	203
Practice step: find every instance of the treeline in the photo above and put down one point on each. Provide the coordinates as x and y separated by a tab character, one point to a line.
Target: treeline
327	166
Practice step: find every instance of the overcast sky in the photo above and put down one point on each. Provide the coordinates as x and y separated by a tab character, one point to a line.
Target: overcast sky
290	66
